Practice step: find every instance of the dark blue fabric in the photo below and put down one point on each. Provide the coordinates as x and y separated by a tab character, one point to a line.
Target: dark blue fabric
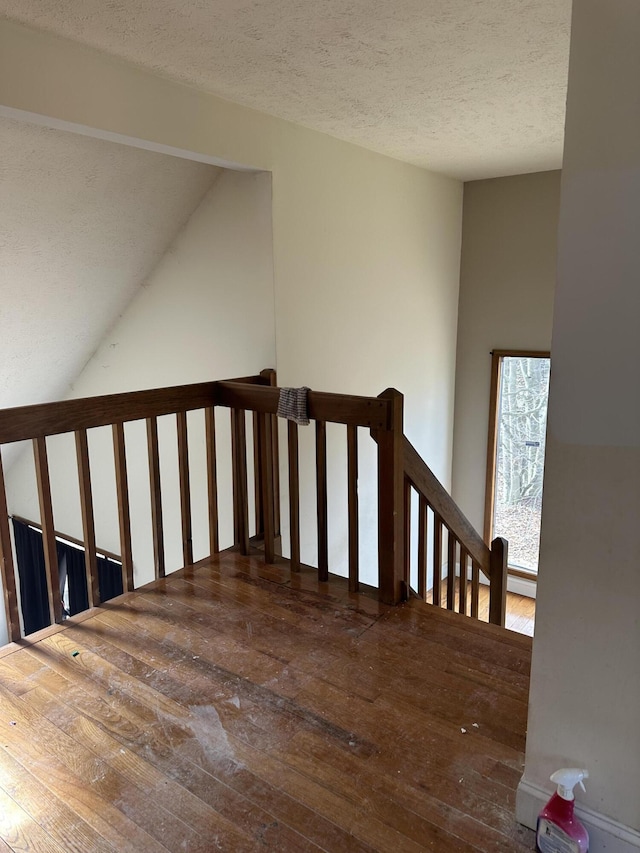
109	578
73	558
32	578
71	563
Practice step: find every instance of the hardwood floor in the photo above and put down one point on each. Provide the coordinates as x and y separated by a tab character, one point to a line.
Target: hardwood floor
521	613
231	707
521	610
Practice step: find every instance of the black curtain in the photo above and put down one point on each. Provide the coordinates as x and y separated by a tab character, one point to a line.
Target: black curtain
73	560
31	576
109	578
71	564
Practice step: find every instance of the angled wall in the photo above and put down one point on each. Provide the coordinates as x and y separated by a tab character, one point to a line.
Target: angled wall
83	222
205	312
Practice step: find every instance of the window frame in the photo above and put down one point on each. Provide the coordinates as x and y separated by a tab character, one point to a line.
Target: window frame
497	357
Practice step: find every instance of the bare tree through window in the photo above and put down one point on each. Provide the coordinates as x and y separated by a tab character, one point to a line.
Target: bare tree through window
520	449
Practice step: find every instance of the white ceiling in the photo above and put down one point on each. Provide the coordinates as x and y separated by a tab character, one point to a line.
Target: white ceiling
470	88
82	223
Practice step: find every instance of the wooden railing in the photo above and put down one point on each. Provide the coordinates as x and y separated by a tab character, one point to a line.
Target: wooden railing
399	468
37	423
467	555
375	413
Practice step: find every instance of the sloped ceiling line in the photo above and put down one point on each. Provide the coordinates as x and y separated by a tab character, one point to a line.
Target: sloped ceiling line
82	224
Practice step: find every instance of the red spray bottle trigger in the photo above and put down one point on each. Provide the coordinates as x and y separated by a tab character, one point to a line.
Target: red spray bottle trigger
559	831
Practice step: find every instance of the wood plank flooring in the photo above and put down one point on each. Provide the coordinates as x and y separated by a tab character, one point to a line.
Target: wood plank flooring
521	610
521	613
236	707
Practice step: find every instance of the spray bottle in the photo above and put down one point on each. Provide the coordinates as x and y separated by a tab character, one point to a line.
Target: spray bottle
558	830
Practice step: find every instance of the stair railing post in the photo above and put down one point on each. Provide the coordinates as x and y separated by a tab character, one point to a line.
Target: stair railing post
391	532
498	566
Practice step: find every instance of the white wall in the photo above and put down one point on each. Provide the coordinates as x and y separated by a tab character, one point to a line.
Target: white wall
206	312
367	297
366	249
507	282
83	222
585	686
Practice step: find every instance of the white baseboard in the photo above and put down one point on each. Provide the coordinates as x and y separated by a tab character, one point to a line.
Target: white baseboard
521	586
605	834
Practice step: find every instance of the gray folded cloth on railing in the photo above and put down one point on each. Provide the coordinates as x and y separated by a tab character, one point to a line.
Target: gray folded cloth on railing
292	405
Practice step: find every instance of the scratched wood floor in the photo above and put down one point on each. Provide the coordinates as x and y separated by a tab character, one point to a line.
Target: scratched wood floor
233	708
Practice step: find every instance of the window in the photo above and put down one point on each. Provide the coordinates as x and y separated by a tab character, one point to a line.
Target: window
515	469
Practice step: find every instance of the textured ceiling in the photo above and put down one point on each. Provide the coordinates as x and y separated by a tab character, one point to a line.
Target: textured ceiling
82	223
471	88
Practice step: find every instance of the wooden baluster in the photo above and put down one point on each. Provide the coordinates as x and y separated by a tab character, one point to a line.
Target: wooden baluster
258	469
321	500
475	589
498	581
451	573
212	479
234	477
185	490
7	573
294	494
407	534
48	530
88	524
437	558
422	547
156	497
269	374
276	475
391	584
240	491
462	601
352	498
124	517
266	479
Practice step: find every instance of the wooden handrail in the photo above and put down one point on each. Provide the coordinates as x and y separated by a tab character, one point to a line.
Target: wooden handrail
425	482
371	412
462	538
44	419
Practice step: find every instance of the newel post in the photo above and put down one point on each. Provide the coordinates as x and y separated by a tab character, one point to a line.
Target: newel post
498	581
269	462
391	533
